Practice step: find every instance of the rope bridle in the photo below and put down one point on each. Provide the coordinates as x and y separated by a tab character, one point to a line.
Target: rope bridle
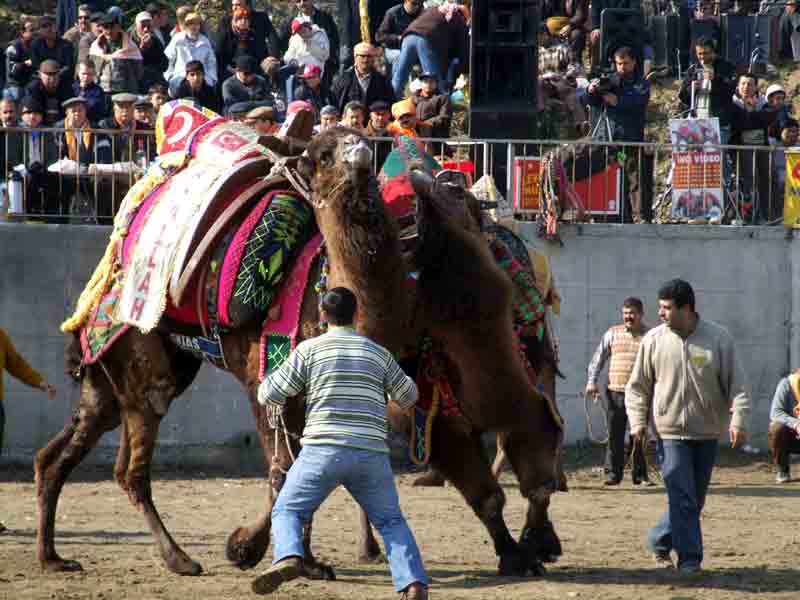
277	423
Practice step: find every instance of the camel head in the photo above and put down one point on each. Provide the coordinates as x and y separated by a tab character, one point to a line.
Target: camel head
338	163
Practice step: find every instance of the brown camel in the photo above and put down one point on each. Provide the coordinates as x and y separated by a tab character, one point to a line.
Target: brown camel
136	380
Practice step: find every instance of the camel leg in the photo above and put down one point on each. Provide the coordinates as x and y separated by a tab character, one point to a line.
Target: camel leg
142	431
535	461
313	568
461	459
368	549
123	457
96	414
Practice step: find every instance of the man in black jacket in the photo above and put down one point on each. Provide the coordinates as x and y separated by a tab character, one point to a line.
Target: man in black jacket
49	91
194	86
48	46
714	83
260	25
361	82
323	20
154	60
245	85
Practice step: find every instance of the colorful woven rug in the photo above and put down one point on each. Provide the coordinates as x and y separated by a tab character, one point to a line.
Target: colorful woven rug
435	397
528	304
396	188
279	336
101	330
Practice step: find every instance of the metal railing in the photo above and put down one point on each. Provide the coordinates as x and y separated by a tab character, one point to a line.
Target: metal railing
47	178
604	177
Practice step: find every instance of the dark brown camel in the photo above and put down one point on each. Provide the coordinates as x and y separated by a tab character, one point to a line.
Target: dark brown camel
141	374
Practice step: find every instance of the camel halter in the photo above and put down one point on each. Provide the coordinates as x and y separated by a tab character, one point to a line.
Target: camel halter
278	424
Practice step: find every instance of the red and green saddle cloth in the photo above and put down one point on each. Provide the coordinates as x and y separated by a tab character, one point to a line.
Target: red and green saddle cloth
435	397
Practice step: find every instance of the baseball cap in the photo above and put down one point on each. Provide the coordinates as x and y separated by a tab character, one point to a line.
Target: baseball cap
298	23
143	16
775	88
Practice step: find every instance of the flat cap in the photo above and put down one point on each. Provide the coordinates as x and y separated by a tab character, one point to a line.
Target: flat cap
142	102
329	109
379	106
262	112
124	98
427	75
75	100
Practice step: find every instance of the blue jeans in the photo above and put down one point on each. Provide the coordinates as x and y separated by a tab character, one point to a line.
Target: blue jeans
368	477
414	49
686	468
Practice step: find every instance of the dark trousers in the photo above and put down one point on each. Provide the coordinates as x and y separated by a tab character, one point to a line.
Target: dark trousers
617	422
639	185
577	42
783	441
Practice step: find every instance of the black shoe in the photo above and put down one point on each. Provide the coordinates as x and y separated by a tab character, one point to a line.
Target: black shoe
612	480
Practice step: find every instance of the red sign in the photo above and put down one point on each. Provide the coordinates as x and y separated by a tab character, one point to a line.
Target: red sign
600	193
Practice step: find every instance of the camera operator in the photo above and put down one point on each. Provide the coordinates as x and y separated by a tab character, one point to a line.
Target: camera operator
624	97
714	83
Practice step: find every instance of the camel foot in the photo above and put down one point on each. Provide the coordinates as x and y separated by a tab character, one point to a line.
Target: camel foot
430	479
245	550
313	569
180	564
541	543
59	565
517	564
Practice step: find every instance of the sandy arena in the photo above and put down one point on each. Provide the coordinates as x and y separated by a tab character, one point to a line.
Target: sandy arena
751	541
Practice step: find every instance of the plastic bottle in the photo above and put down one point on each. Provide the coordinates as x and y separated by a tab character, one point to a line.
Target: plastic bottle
140	158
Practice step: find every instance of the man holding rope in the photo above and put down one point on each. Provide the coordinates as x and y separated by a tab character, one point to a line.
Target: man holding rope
619	344
345	378
687	370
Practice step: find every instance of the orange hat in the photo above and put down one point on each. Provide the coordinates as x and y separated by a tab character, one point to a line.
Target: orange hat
241	11
402	108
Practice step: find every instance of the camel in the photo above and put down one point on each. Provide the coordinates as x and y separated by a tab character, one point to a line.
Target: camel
462	298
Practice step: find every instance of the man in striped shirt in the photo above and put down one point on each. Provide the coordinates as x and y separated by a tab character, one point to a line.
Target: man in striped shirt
345	378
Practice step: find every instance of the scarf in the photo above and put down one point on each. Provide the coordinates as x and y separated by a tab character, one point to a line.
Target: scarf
72	140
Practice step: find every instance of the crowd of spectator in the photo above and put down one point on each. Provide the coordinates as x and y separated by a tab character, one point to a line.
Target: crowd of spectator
91	70
119	74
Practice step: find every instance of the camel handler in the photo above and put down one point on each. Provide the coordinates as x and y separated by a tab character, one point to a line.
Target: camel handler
619	344
345	378
688	371
12	361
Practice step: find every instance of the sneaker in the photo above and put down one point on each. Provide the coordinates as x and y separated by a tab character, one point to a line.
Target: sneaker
281	572
782	477
663	559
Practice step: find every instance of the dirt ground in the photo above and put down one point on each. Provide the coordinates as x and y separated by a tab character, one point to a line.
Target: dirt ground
752	540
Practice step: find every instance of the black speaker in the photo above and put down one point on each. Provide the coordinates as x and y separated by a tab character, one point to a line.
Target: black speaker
620	27
664	33
504	62
747	38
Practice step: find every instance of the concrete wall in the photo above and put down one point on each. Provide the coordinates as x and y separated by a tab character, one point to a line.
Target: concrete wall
742	277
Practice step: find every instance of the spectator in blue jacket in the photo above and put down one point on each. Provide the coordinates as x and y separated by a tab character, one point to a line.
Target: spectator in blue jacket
624	97
86	87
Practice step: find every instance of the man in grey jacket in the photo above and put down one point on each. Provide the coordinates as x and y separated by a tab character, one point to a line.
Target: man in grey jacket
784	426
687	370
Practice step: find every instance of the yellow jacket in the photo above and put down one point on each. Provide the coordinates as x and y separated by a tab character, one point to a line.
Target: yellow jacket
12	361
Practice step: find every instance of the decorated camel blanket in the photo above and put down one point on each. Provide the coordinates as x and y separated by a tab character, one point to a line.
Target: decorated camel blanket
247	268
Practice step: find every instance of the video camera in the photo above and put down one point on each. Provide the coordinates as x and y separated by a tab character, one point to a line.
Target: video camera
607	83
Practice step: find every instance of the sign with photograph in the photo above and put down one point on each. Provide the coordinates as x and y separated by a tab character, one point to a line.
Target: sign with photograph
696	171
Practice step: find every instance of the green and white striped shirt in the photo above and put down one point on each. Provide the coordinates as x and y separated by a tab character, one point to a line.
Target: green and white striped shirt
345	377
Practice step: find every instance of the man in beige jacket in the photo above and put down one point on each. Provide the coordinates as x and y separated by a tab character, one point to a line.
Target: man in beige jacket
688	371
